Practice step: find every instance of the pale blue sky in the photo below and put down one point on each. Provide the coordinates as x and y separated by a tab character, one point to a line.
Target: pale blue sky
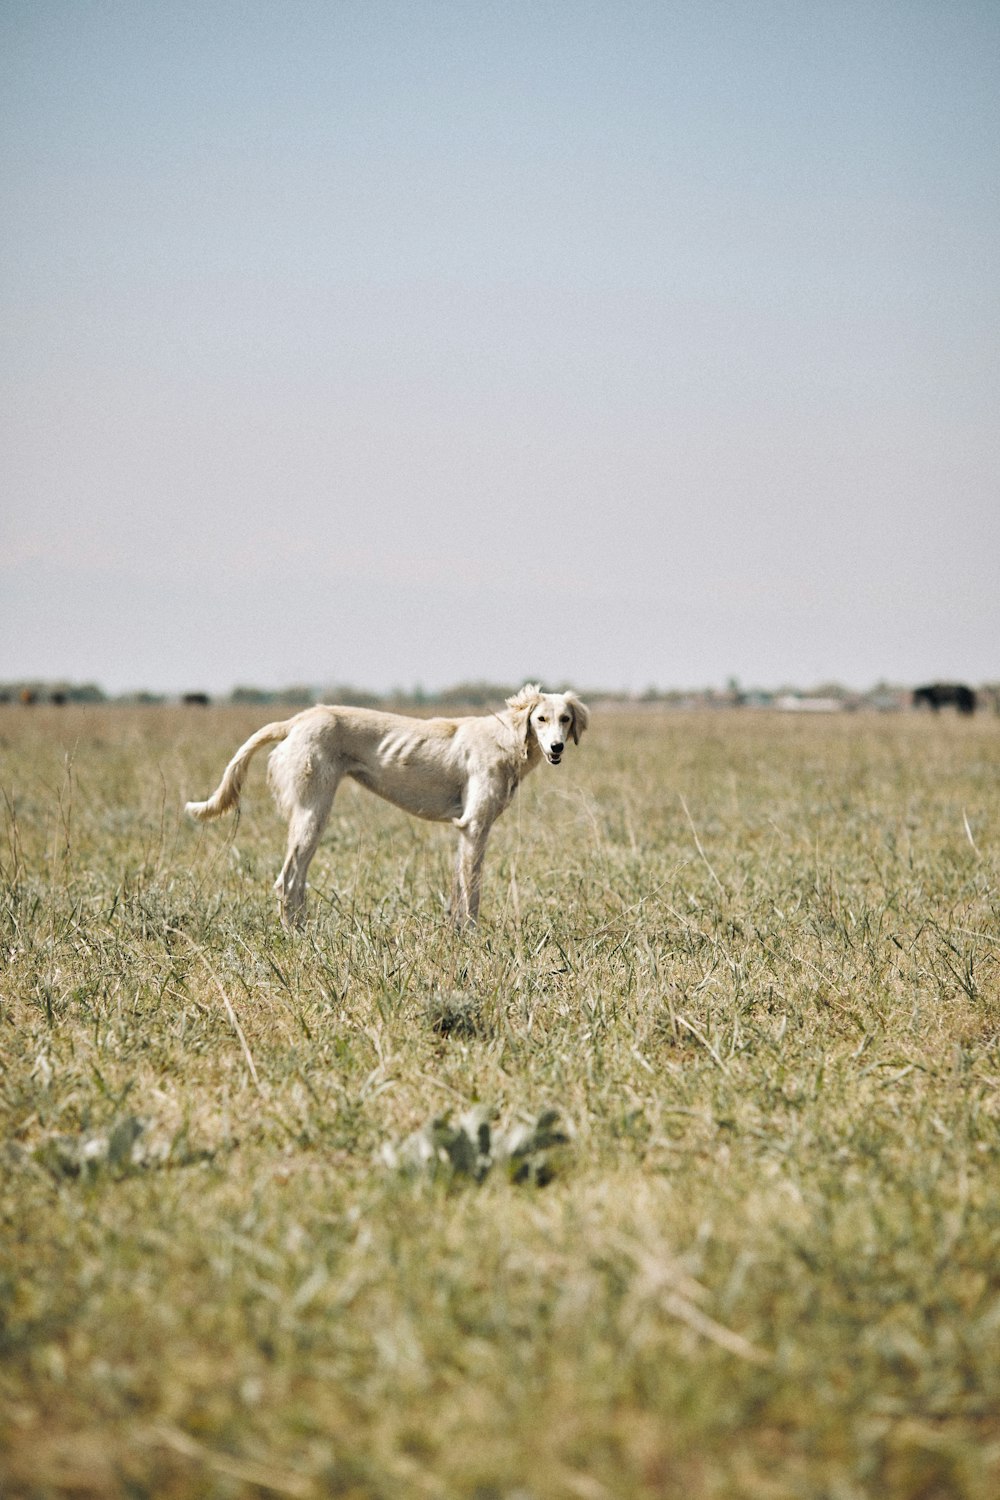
619	343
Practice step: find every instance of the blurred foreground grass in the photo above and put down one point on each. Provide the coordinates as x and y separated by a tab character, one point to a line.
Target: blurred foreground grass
751	963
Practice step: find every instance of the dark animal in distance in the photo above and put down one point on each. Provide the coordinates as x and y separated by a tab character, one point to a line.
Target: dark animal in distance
937	694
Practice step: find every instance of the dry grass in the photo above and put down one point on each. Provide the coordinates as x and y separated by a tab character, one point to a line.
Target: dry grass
753	964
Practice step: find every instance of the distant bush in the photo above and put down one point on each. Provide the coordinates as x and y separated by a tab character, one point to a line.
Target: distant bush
51	692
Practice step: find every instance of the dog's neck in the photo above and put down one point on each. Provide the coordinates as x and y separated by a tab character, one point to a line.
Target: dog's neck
532	752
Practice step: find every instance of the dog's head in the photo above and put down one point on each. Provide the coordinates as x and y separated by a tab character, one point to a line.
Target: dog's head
550	718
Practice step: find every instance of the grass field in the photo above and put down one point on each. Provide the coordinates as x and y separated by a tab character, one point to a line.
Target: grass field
751	961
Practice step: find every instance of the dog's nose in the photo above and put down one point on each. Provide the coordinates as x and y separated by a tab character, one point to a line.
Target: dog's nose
557	747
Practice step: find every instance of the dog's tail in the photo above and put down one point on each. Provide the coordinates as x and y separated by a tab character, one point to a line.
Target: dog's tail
227	794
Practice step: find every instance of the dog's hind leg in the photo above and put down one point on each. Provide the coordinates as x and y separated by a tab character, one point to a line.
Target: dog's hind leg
305	828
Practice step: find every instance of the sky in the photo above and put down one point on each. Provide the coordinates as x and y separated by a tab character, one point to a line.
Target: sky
623	344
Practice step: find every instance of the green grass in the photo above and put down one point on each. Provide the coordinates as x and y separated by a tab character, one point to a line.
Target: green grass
753	963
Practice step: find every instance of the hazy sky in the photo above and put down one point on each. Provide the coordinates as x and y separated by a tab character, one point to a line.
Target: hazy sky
406	343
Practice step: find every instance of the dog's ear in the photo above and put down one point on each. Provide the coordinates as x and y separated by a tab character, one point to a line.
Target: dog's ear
525	698
521	704
581	716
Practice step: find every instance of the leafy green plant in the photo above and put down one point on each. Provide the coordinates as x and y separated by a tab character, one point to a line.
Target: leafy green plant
471	1146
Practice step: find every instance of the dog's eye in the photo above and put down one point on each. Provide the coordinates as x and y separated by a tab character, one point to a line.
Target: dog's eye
543	719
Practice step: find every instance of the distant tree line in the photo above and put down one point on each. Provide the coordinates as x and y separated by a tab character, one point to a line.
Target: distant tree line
480	694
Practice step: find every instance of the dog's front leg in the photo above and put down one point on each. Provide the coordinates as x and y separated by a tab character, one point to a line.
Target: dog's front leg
468	873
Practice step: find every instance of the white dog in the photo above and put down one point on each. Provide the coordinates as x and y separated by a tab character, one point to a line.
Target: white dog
464	771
